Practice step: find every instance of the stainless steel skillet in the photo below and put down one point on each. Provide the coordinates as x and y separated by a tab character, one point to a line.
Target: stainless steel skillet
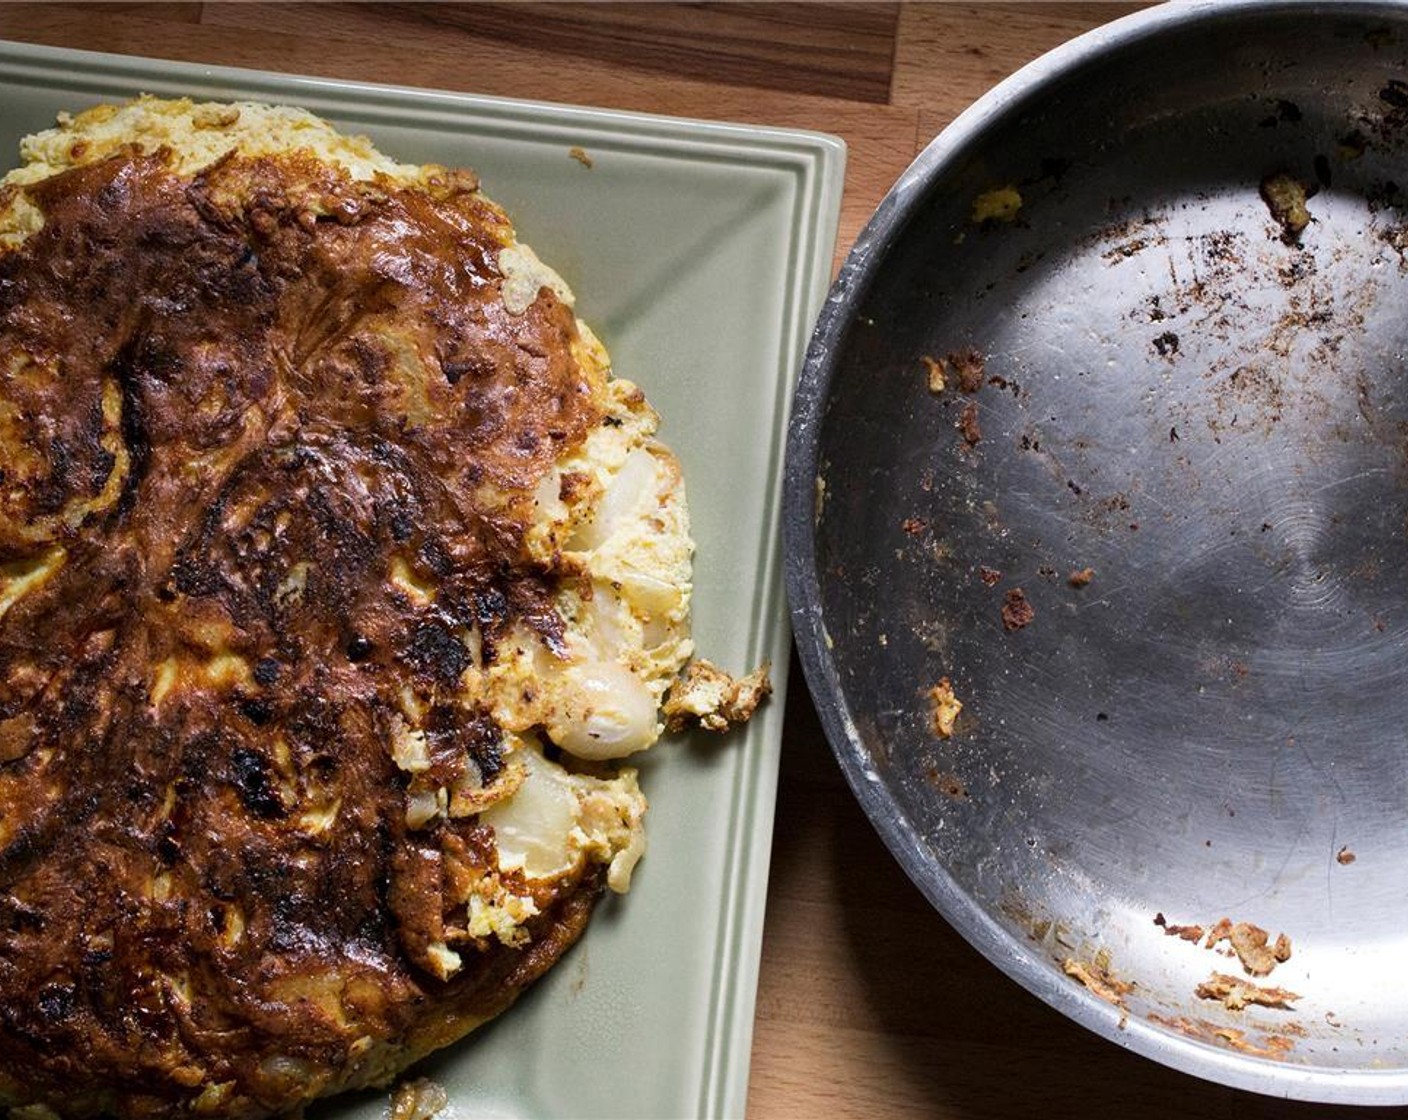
1207	410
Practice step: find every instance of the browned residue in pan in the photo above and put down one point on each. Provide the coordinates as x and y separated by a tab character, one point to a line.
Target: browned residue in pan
1235	994
948	784
968	366
1187	933
1097	976
1017	612
1251	944
968	425
1272	1046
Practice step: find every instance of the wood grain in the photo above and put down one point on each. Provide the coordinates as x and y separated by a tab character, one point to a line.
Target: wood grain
839	50
941	67
869	1004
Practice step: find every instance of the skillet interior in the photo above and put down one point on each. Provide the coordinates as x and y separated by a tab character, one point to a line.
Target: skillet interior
1216	423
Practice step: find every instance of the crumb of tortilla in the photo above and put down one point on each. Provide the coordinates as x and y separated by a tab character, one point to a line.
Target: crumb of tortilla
1276	1048
1017	612
1096	976
708	697
1187	933
1236	994
937	379
1285	197
1000	204
946	708
970	368
968	424
1250	943
580	155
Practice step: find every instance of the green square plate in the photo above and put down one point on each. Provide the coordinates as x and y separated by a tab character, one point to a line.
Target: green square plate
699	253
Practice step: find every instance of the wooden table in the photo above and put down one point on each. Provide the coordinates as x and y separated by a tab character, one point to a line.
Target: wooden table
869	1004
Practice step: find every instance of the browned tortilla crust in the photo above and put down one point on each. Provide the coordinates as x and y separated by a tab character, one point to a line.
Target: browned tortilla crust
309	371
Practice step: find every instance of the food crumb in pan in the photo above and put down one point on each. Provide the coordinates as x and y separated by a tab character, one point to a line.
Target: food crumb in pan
950	785
580	155
1187	933
1166	344
969	366
1017	612
1274	1046
1236	994
968	425
966	365
1096	976
1183	1025
1081	577
1251	944
991	577
937	380
914	525
1345	856
946	708
1001	204
1285	197
420	1099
